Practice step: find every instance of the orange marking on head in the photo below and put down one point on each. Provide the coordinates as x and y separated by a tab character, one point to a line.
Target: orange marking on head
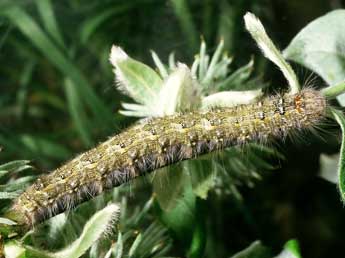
298	103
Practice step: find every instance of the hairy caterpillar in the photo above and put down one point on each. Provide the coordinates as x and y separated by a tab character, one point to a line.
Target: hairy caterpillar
162	141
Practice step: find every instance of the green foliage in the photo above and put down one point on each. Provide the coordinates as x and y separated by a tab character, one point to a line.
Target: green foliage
185	18
58	102
66	90
79	84
100	226
136	79
291	249
257	30
93	230
340	118
321	56
325	60
13	179
258	250
255	250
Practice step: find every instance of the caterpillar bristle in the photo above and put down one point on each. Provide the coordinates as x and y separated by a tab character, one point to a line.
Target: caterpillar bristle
159	142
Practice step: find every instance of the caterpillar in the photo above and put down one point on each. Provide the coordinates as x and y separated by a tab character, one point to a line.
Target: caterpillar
159	142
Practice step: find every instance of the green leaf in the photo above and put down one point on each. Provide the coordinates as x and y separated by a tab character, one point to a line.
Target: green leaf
255	250
14	165
24	82
34	147
41	41
221	71
257	31
172	62
213	64
184	16
93	230
91	25
56	225
203	61
7	222
118	248
45	9
340	118
178	94
160	66
230	98
151	240
144	211
334	91
320	47
291	250
13	249
198	242
209	72
134	78
236	80
77	112
293	246
135	245
202	177
43	146
228	22
3	173
18	184
136	110
168	186
8	195
181	217
325	57
329	167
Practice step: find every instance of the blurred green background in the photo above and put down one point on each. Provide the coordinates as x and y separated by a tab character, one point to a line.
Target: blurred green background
58	99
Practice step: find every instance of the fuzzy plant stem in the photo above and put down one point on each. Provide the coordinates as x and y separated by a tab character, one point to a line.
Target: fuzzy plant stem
334	91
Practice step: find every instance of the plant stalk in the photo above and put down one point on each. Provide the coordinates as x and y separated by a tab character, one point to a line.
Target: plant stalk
334	90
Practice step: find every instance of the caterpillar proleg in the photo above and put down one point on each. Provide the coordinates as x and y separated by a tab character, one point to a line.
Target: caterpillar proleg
159	142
